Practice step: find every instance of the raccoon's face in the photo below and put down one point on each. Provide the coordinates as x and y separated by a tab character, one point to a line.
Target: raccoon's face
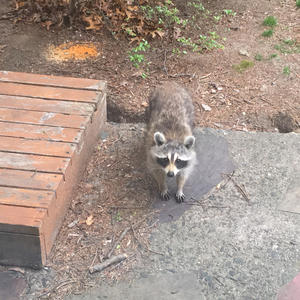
172	156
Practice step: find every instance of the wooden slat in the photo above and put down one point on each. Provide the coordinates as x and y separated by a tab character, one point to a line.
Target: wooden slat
43	118
49	80
29	179
16	89
50	133
20	145
21	216
37	104
25	197
33	162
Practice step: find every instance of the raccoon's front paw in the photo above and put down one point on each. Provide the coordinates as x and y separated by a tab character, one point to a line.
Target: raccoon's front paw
165	196
180	197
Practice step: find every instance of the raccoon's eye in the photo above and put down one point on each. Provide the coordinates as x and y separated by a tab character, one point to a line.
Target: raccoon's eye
181	163
163	161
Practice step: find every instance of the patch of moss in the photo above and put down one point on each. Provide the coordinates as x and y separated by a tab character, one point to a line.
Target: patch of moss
243	65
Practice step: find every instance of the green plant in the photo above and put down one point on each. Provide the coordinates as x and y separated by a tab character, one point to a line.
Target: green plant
229	12
197	4
286	70
135	55
298	3
217	18
268	33
288	46
258	57
273	55
243	65
270	21
210	42
188	42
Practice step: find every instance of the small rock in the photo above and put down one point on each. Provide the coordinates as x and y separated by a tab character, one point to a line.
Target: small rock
219	88
144	104
263	88
244	52
72	224
213	91
206	107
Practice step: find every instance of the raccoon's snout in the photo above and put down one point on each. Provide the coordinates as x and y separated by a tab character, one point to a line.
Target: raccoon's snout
170	174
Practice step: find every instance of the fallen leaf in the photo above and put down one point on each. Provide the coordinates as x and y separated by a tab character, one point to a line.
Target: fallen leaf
90	220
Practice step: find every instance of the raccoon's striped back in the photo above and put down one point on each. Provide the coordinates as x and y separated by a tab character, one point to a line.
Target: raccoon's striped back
171	112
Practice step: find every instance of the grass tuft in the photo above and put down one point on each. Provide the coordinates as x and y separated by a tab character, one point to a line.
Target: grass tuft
270	21
243	65
267	33
286	70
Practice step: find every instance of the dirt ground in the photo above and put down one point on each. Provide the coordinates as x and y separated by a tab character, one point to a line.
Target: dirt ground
246	100
262	98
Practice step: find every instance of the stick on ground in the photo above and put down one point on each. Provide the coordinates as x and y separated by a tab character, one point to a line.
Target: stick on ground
111	261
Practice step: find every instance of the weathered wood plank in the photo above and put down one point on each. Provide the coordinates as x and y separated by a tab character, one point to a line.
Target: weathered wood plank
37	104
29	179
21	219
60	134
20	145
26	198
43	118
50	80
33	162
47	92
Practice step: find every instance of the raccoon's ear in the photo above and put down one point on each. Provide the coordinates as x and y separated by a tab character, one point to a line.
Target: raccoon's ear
189	141
159	138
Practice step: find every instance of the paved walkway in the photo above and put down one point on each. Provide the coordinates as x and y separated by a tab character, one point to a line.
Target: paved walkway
228	247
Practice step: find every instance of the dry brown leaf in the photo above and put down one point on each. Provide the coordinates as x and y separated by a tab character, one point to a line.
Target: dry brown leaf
89	220
19	4
94	22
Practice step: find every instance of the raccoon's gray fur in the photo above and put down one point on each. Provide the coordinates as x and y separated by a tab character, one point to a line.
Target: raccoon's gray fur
169	139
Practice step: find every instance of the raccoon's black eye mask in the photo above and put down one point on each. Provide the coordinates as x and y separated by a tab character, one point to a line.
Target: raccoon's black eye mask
180	164
163	161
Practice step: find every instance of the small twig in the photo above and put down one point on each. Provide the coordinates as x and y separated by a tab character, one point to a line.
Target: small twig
117	242
144	245
182	75
205	76
95	256
239	188
165	60
111	261
56	287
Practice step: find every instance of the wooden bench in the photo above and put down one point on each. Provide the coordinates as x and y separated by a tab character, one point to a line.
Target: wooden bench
48	127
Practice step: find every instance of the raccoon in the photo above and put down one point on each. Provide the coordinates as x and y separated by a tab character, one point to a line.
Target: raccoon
169	139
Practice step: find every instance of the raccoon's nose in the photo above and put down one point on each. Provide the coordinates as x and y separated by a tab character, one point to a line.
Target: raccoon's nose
170	174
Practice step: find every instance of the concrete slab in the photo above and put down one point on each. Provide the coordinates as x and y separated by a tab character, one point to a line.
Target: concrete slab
12	285
213	161
227	247
291	201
